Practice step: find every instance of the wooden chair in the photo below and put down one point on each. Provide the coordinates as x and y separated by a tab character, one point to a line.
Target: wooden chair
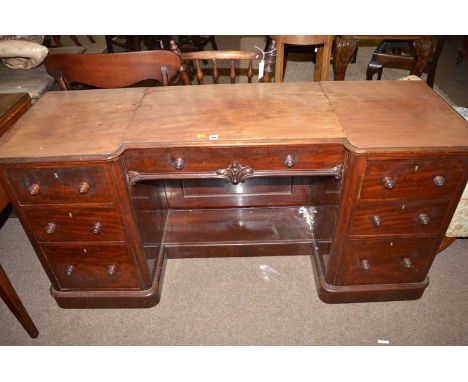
322	61
229	55
113	70
401	55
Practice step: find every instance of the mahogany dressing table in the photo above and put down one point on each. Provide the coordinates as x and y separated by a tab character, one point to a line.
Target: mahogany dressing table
362	176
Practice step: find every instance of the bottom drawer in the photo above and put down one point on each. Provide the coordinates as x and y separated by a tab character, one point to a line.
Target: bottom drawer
385	261
92	266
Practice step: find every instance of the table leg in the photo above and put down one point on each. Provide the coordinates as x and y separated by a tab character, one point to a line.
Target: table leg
342	55
10	297
423	48
318	63
279	66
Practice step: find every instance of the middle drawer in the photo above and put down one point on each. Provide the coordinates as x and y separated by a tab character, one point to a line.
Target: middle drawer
401	217
74	223
211	159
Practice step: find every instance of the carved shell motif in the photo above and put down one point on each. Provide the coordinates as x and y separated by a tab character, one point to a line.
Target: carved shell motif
236	173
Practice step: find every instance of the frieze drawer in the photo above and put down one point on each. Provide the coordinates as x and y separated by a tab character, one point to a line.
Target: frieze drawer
75	224
402	217
385	261
48	185
411	179
211	159
91	266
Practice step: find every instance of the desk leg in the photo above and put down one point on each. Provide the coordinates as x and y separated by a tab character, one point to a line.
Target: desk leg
423	48
342	55
10	297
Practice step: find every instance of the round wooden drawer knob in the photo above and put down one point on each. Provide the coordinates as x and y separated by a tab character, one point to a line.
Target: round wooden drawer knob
423	219
365	266
376	221
112	270
34	189
69	270
96	228
289	161
50	228
179	164
438	181
388	182
406	262
83	187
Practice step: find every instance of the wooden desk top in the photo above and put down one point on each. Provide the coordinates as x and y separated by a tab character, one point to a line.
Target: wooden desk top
367	114
395	114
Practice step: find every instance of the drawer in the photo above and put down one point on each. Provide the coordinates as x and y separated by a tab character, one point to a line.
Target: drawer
73	223
61	185
385	261
412	179
91	266
403	217
210	159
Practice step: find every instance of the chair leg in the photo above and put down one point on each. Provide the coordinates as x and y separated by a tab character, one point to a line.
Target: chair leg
75	40
213	42
57	40
434	60
285	60
423	50
91	39
342	54
267	44
372	68
134	43
279	68
110	48
10	297
318	64
197	42
326	56
379	73
354	59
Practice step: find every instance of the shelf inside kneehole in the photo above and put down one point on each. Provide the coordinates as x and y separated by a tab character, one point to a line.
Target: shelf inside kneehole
276	224
260	218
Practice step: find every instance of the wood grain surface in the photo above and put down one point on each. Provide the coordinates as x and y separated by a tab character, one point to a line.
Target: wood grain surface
96	123
395	114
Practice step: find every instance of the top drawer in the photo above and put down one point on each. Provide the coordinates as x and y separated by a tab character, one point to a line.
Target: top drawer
210	159
82	184
412	179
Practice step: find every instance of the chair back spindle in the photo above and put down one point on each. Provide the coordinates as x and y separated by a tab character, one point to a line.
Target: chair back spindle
229	55
215	72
